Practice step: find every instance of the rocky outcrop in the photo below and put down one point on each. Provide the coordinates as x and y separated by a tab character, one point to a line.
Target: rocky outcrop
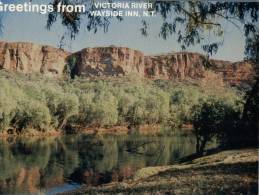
30	57
119	61
186	65
234	73
181	65
109	61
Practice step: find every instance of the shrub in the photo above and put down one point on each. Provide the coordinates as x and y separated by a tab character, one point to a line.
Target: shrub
69	69
67	107
9	95
7	106
86	103
157	107
35	116
136	114
181	101
100	110
106	109
52	100
125	103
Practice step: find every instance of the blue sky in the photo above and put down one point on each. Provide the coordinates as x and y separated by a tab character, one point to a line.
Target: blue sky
30	27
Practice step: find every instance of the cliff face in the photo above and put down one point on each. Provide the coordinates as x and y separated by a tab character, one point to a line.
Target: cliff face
109	61
29	58
119	61
234	73
185	65
180	66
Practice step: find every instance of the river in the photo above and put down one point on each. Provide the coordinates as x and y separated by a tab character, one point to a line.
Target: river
57	164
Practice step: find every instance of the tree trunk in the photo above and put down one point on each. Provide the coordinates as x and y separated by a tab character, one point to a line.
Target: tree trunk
63	123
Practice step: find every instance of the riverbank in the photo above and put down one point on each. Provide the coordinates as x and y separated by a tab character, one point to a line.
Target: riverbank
31	133
39	104
227	172
115	130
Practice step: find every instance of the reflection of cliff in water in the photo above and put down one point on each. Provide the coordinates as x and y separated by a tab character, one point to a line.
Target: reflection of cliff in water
34	164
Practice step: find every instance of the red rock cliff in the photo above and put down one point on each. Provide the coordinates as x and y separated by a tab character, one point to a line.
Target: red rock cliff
30	57
119	61
109	61
234	73
181	65
185	65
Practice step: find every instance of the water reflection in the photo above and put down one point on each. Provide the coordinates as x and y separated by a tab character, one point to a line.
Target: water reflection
31	165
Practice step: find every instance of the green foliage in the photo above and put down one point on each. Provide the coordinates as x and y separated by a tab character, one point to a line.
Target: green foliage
136	114
157	106
144	106
7	106
182	100
125	103
246	134
52	100
69	69
99	109
68	106
42	103
212	118
193	22
31	114
251	108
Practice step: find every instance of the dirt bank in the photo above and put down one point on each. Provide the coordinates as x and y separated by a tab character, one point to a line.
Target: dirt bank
115	130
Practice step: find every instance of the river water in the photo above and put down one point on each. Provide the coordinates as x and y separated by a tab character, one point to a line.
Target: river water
58	164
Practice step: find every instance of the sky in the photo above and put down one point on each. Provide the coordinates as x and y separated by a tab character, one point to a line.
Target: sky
31	27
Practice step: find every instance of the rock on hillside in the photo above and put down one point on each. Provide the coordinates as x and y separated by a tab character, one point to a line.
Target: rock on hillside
179	65
30	57
109	61
185	65
119	61
234	73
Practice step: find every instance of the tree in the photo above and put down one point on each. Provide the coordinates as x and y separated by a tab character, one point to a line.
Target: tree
68	106
193	19
7	107
250	118
98	109
35	116
211	118
190	21
69	69
72	20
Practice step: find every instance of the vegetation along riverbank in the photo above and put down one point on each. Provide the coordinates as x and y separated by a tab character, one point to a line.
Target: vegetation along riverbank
83	103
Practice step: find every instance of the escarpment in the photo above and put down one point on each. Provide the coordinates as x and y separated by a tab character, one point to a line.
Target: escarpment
109	61
119	61
186	65
234	73
31	58
180	65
